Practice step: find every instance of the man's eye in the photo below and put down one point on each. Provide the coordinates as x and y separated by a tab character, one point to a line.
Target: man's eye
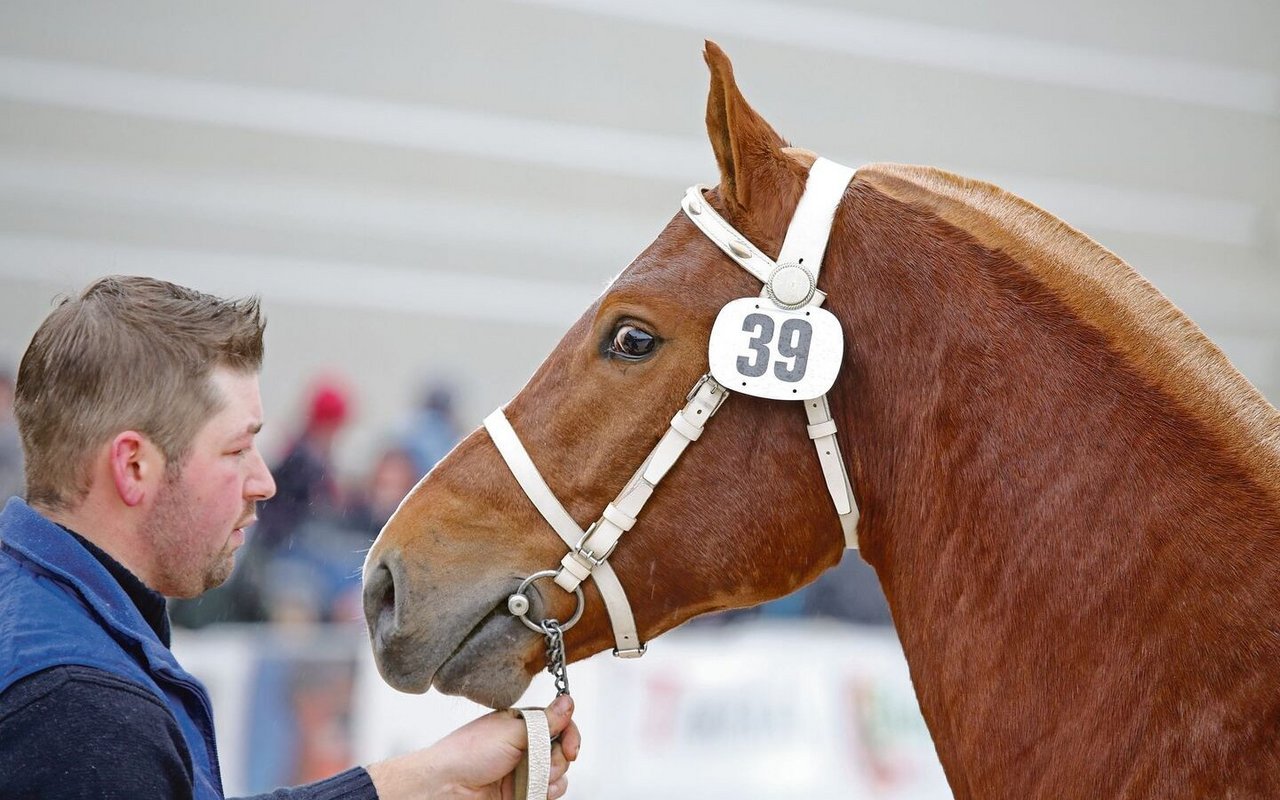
632	343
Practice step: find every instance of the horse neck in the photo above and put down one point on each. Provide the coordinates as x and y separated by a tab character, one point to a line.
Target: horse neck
1083	577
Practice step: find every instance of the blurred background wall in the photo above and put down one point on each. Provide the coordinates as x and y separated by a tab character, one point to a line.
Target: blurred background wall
426	190
427	194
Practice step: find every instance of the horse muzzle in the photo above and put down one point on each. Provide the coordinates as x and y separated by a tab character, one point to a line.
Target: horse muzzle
463	640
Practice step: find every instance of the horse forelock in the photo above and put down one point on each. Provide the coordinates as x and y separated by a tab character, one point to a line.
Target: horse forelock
1162	345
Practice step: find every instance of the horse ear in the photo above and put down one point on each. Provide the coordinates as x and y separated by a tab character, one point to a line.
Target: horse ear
747	148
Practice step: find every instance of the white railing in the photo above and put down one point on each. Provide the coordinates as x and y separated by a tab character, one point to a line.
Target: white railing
759	710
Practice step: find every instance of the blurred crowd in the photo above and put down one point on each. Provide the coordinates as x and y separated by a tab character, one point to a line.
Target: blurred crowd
301	563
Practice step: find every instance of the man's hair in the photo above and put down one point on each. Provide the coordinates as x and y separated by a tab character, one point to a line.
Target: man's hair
129	353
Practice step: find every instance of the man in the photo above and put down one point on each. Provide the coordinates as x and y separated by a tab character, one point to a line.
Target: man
138	404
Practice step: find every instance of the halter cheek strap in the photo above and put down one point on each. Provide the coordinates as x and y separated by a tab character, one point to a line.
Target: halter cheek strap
804	247
536	489
590	549
791	282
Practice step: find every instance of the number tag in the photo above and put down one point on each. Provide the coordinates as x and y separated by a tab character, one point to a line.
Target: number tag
759	349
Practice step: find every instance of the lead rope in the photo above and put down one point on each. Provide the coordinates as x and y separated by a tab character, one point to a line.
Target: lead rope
533	773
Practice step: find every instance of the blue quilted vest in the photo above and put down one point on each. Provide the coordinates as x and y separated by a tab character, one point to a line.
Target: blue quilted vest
60	606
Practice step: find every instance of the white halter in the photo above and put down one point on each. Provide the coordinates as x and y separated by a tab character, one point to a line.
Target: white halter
791	282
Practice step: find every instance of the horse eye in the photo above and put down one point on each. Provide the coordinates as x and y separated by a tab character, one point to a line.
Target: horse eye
632	343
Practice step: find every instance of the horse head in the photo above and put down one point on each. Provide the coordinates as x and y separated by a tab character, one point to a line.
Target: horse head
742	519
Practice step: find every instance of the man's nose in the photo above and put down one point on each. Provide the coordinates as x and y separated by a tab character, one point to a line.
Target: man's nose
261	484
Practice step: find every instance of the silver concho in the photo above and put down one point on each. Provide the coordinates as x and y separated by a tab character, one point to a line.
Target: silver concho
790	286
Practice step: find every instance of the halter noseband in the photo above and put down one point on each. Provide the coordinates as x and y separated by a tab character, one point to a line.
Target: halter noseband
790	283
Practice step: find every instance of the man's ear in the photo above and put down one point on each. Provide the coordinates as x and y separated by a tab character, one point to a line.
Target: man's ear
135	465
757	179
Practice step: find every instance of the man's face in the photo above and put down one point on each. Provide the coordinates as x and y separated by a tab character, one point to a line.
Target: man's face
200	513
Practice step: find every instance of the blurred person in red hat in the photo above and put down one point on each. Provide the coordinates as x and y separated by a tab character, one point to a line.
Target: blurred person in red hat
306	486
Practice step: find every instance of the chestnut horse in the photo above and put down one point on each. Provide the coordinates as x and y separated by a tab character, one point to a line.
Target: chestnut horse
1070	496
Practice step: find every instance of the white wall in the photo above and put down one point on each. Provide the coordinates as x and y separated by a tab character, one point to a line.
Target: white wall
429	188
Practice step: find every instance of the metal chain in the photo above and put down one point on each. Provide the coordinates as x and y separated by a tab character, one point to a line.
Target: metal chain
555	654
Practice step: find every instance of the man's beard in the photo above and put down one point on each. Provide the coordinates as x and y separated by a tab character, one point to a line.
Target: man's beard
178	555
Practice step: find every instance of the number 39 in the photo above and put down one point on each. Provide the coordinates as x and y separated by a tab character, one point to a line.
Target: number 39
794	336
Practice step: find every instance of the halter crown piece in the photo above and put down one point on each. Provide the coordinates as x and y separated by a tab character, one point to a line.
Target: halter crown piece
792	298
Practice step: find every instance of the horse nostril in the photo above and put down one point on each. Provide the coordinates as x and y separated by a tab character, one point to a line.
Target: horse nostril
380	603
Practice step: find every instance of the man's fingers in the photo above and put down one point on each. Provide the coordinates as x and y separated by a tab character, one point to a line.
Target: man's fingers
505	725
559	764
571	740
557	789
559	713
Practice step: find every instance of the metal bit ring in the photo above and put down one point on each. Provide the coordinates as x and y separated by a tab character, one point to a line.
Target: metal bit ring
518	603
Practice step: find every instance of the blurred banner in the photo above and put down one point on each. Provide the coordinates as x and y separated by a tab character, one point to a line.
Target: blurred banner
758	710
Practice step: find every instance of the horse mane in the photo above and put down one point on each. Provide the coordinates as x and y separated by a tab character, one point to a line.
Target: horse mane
1074	510
1163	345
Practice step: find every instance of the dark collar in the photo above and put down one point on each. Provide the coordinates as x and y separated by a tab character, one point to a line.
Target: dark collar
151	604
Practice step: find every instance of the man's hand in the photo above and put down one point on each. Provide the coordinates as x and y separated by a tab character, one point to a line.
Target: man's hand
476	761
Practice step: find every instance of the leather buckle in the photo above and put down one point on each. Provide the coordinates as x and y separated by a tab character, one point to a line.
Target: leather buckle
581	548
634	652
706	376
719	391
